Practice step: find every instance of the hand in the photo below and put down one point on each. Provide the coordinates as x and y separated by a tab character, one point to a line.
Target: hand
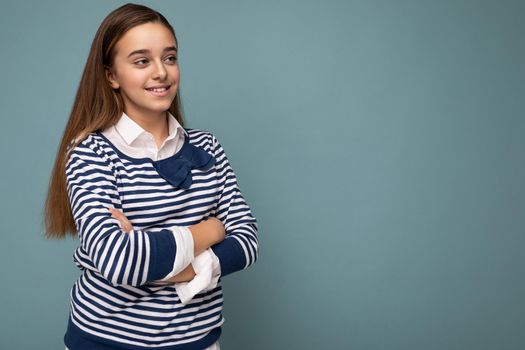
123	220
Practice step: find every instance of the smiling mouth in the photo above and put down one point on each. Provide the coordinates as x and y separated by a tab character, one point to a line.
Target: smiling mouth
159	89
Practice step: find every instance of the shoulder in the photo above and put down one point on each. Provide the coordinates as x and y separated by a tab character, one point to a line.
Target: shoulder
203	139
209	142
93	149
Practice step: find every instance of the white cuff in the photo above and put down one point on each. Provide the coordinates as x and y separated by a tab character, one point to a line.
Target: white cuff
205	279
185	248
216	269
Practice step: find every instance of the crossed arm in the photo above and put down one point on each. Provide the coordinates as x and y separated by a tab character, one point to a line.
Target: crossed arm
133	256
205	234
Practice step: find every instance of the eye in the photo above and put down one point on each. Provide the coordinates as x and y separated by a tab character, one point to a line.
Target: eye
141	62
172	59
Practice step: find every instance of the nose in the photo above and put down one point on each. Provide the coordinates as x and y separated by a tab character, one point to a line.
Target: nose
160	72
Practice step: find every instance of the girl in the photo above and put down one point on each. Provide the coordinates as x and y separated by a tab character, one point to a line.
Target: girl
156	206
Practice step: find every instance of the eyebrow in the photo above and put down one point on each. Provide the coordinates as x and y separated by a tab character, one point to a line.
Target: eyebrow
144	51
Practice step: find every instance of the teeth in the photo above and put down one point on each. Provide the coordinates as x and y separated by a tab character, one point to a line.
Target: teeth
158	89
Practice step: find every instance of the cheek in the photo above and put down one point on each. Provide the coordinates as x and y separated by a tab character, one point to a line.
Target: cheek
175	73
133	78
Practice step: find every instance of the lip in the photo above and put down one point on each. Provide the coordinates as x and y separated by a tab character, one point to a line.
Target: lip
159	86
159	93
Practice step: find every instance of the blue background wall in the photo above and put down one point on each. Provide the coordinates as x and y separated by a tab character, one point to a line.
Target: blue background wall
380	145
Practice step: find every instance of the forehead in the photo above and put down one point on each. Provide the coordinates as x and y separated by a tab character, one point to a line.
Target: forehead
148	36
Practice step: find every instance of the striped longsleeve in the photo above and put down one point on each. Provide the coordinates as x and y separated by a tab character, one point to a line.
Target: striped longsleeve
122	258
117	303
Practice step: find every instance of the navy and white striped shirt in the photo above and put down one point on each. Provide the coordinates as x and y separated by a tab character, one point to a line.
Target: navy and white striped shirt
115	303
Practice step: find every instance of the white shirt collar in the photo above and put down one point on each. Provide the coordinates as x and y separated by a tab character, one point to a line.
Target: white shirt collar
130	130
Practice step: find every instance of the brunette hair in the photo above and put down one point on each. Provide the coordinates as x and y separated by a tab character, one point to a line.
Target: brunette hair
97	106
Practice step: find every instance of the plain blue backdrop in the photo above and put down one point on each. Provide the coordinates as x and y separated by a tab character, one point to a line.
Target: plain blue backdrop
379	143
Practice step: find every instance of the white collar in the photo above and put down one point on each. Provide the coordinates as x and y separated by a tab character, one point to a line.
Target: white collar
130	130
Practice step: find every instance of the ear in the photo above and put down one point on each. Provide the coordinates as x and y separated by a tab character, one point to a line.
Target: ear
110	76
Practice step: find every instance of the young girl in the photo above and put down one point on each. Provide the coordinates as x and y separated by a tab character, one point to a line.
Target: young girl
156	206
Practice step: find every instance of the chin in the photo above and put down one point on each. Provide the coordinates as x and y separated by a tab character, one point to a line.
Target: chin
161	108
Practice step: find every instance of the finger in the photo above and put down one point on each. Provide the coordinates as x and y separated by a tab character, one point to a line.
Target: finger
120	217
116	213
126	227
123	222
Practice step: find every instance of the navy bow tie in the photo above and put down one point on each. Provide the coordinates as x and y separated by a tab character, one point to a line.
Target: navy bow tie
177	169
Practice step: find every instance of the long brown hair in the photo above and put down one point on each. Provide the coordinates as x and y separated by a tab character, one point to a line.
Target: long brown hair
97	106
